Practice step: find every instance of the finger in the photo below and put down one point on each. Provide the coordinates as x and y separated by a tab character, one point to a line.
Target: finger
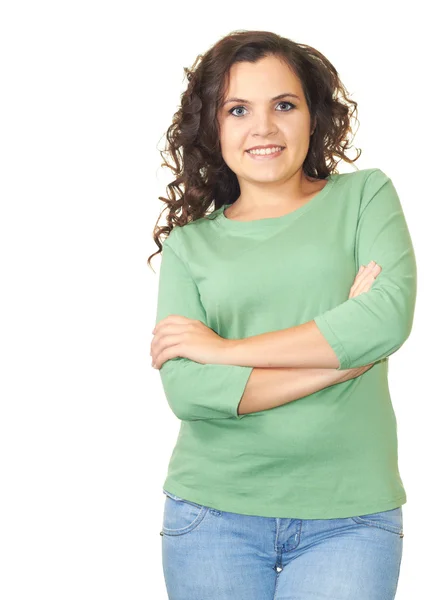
171	327
171	333
166	341
368	281
371	274
168	344
363	278
166	354
171	319
364	286
358	278
363	271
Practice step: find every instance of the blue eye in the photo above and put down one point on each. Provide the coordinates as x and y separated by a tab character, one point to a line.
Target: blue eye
236	107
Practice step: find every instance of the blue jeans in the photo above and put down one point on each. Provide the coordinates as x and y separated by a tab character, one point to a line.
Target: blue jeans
209	554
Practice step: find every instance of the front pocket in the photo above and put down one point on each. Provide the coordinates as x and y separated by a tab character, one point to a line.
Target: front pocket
181	516
390	520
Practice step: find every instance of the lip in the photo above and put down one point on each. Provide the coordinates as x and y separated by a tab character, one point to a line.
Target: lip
270	156
265	147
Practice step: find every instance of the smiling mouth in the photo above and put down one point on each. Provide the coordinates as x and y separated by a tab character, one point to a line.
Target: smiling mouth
266	154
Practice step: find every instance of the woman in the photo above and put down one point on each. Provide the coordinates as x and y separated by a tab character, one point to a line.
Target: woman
273	333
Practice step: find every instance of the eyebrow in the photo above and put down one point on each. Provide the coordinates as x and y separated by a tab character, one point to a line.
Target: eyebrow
287	94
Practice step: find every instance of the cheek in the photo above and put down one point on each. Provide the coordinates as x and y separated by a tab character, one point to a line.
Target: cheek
232	137
299	131
234	128
233	143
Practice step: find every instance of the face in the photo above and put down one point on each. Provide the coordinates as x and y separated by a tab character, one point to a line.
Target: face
258	120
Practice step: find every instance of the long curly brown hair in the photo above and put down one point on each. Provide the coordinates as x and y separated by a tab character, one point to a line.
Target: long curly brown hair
193	143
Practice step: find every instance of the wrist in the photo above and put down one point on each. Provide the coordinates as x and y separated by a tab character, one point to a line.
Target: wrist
229	352
330	376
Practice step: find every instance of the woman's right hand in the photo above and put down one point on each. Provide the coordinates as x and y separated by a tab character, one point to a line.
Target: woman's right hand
362	283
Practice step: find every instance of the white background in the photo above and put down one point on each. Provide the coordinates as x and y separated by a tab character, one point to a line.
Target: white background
87	91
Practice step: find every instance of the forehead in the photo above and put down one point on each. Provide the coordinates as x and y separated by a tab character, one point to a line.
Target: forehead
261	80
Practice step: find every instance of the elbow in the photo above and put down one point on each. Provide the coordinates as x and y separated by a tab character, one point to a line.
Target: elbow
398	317
185	396
178	410
402	331
172	392
182	411
399	332
403	319
405	332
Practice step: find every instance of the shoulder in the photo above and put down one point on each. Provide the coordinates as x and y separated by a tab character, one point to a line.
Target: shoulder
366	177
365	184
373	181
182	236
374	177
173	240
375	186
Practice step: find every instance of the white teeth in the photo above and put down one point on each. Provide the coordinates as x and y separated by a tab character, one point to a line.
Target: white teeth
263	151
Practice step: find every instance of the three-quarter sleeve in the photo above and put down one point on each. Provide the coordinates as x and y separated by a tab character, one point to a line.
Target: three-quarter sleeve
194	391
373	325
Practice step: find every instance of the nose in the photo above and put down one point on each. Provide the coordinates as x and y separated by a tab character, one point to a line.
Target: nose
263	124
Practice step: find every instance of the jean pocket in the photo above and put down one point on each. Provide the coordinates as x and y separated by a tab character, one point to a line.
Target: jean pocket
390	520
181	516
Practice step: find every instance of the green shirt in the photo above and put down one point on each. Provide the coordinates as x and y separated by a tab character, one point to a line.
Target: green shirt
330	454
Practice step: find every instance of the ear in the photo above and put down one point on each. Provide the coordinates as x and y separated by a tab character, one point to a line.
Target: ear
314	124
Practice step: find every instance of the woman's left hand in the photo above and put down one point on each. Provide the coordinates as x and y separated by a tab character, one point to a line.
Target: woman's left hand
177	336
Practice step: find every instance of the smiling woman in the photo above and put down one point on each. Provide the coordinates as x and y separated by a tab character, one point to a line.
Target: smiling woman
271	342
250	90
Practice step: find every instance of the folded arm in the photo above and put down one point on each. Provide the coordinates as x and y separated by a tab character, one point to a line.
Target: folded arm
269	388
360	331
365	328
193	390
196	391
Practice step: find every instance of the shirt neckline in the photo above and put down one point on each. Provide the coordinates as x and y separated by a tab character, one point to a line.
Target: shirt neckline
270	221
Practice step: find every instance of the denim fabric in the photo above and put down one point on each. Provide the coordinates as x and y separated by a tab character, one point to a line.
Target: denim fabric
208	554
